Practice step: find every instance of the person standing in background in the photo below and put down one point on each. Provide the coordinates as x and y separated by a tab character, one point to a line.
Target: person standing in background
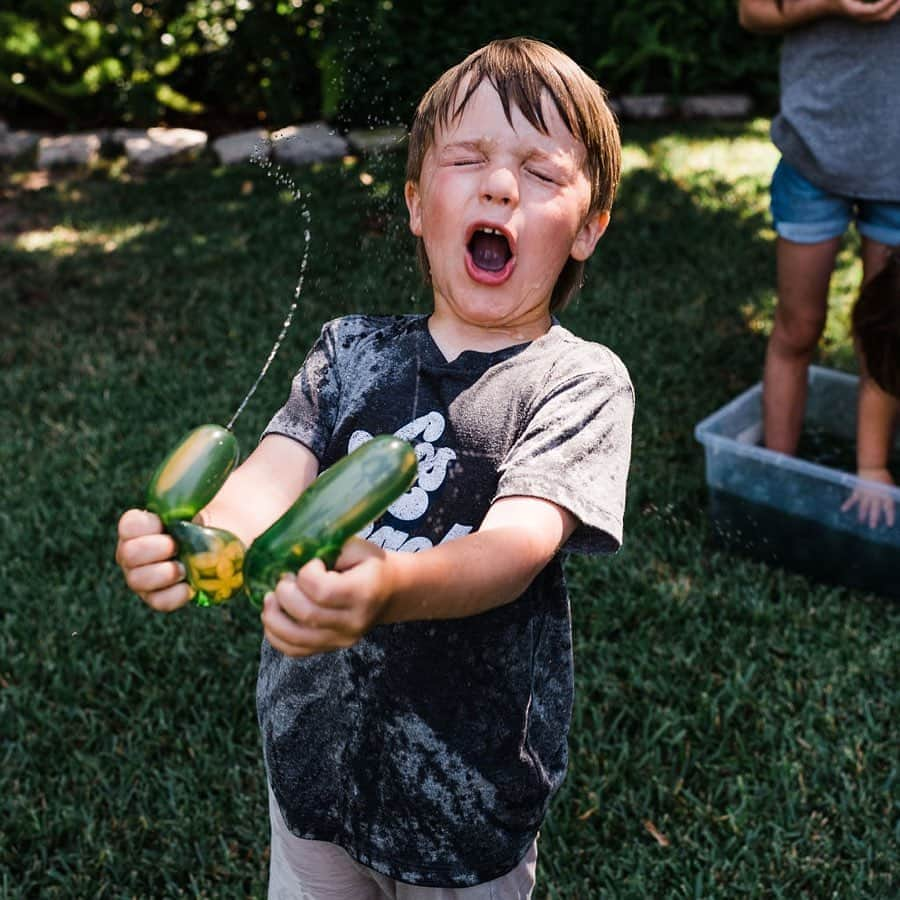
838	130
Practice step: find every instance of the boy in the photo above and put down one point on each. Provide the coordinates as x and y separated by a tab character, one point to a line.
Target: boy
423	753
838	130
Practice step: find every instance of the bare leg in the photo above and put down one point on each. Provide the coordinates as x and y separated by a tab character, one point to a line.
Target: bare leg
804	273
874	258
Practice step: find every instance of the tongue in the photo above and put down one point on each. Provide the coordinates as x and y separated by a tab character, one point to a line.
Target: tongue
489	251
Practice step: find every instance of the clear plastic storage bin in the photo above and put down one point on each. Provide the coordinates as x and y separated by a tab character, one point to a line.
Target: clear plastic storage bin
787	511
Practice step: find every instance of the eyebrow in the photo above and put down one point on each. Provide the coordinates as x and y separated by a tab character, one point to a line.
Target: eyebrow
533	153
465	145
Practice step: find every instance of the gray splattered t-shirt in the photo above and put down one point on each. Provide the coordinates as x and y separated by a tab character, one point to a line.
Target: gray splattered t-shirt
839	122
430	750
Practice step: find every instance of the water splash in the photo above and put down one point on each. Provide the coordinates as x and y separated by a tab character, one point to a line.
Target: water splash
258	157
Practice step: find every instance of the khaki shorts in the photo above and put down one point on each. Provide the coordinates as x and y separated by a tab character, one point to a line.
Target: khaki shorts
318	870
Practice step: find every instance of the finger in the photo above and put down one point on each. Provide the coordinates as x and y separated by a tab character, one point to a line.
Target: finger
867	10
311	571
883	11
294	638
156	577
872	514
862	513
149	548
889	14
850	502
354	552
297	606
323	588
170	599
889	512
137	522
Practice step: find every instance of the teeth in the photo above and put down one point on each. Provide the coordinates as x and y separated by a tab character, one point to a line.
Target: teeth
490	230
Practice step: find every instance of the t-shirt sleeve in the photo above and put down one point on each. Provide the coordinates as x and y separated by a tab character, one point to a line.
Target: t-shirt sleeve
575	451
310	412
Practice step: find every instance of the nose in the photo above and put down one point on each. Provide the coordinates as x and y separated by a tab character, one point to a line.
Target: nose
500	186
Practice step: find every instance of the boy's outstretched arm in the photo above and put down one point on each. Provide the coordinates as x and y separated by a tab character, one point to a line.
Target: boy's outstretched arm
771	16
318	610
253	497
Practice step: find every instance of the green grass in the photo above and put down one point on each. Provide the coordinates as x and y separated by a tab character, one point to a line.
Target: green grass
735	726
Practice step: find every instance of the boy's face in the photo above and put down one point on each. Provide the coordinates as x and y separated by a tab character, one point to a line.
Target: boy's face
501	208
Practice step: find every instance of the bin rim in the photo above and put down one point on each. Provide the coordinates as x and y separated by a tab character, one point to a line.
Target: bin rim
775	458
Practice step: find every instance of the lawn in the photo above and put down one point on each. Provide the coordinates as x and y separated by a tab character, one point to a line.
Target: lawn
735	726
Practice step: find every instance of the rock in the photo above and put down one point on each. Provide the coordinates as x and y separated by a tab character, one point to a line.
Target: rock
14	144
163	145
647	106
299	144
717	106
377	140
68	150
242	146
116	137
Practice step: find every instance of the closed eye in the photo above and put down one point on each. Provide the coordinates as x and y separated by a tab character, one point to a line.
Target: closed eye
543	176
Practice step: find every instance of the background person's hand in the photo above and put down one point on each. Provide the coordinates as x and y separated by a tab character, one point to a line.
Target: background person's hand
145	553
872	505
879	11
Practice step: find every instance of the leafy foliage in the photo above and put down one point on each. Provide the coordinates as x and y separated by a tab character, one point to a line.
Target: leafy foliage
361	61
113	61
390	50
680	47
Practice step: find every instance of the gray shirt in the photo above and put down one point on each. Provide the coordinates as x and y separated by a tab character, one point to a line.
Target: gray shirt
839	123
430	750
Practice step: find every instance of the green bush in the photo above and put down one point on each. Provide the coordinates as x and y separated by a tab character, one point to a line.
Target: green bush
390	51
679	47
357	61
143	61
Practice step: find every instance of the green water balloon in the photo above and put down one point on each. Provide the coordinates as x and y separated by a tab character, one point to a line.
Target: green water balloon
346	497
192	473
213	559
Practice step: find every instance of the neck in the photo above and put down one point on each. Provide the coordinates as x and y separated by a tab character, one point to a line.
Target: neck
453	337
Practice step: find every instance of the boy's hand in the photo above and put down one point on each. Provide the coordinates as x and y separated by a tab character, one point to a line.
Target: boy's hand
318	610
145	554
872	505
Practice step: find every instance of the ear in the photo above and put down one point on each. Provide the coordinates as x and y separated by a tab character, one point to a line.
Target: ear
590	233
414	205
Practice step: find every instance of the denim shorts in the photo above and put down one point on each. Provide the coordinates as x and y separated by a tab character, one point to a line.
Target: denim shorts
806	214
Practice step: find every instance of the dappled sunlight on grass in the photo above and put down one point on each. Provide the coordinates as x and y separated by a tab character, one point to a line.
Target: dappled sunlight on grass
837	342
732	172
746	153
634	157
63	240
836	345
758	314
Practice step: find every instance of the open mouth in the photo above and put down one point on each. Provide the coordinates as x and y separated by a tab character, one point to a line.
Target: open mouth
489	257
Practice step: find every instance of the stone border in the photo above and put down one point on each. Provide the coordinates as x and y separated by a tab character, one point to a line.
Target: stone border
297	144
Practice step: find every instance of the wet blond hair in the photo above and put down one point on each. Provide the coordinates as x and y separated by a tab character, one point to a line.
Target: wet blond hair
521	70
